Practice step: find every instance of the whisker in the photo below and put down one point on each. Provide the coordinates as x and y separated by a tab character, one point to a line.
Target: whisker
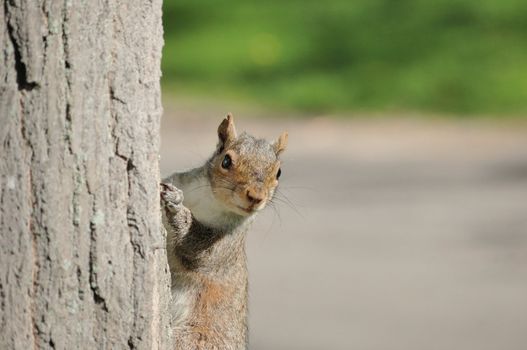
299	188
193	189
276	211
281	197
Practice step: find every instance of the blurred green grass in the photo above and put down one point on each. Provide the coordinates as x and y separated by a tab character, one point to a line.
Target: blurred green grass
463	57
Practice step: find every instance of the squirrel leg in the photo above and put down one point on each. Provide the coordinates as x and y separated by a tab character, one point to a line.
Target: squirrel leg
187	238
177	218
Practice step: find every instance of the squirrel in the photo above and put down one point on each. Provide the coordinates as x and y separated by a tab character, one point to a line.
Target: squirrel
207	212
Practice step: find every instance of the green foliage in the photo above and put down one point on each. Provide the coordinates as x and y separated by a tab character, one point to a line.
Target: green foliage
458	56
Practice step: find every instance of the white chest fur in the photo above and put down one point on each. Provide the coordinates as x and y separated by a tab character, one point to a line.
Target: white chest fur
202	203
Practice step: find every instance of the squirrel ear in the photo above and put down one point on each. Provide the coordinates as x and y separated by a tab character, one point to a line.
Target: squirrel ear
280	144
226	130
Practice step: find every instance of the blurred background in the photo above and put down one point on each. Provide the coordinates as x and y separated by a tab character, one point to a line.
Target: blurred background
449	56
401	221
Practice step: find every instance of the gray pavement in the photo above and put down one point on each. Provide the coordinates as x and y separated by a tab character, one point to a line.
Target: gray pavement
386	234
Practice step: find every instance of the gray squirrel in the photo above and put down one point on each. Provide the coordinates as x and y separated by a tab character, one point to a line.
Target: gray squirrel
206	231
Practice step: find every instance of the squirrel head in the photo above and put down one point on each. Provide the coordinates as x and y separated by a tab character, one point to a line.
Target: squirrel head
244	171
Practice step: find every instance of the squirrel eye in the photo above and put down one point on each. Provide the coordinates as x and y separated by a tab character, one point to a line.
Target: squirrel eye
227	162
278	173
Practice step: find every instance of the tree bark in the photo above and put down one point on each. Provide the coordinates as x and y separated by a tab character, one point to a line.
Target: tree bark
82	264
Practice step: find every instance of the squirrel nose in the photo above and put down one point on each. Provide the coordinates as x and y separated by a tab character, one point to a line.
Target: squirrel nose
255	197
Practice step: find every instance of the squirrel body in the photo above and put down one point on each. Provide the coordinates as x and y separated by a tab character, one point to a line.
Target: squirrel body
207	214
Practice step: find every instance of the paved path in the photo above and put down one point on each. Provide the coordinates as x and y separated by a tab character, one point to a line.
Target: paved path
393	234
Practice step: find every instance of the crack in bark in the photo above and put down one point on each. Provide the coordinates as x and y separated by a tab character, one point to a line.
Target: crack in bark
114	97
67	66
34	246
45	46
2	305
132	225
94	286
101	312
20	66
35	266
80	291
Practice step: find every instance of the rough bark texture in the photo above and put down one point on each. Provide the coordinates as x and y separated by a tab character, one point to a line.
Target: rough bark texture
81	258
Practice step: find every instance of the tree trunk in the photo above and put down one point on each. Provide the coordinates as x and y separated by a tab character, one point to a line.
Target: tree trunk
82	264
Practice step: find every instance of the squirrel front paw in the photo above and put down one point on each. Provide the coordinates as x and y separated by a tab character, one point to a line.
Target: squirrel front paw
177	219
171	197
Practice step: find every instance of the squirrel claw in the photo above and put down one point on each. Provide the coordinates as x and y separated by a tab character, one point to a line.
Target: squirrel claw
171	196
